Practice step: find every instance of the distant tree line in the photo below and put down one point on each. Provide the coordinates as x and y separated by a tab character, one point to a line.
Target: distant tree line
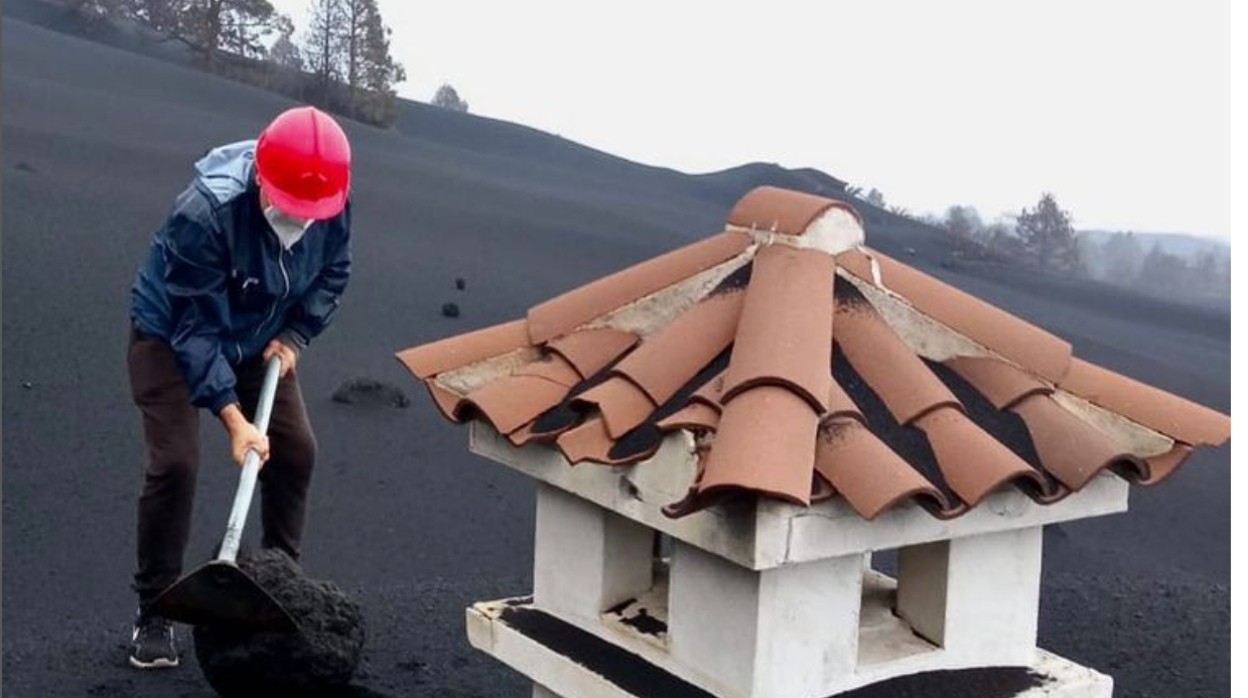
1044	237
341	62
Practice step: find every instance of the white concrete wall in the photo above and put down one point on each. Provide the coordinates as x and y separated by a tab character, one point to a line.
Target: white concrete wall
779	633
977	596
587	559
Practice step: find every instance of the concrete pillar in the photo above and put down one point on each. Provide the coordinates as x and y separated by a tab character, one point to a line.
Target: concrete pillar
777	633
586	558
540	691
977	596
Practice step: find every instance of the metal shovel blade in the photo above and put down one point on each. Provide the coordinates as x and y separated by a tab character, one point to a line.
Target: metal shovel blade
220	594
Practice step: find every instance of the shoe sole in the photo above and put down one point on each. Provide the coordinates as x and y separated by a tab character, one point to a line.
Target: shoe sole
154	664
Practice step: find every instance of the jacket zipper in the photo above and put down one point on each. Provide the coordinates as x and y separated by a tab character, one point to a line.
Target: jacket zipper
281	264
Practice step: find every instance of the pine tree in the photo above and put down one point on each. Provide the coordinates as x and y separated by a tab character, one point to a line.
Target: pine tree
1048	235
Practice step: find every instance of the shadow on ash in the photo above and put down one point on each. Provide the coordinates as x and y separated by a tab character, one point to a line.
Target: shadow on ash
318	660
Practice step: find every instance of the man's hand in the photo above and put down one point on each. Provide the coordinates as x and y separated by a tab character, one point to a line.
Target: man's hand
244	436
286	354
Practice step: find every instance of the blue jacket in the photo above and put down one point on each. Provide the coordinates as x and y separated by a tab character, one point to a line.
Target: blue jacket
217	284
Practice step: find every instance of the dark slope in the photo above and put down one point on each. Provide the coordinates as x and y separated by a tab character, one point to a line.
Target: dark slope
96	143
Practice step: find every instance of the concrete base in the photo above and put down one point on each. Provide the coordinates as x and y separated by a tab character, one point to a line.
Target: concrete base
565	661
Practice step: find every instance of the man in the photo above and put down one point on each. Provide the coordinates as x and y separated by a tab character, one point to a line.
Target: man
250	264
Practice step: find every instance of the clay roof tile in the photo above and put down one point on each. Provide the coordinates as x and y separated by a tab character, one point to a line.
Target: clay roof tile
670	358
781	210
569	311
1165	412
592	350
907	387
461	350
870	475
765	442
784	336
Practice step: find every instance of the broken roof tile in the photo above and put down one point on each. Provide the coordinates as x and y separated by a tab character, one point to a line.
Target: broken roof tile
798	386
765	442
870	475
594	349
781	210
1156	409
674	355
785	333
569	311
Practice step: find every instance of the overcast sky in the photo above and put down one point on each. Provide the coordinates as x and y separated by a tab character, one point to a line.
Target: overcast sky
1121	109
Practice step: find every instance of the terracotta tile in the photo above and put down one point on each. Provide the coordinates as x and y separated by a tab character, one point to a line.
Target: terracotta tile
666	361
765	442
781	210
1000	382
1017	340
1169	414
447	402
565	313
900	378
840	404
974	464
510	403
856	262
590	351
1069	448
624	406
454	352
784	336
711	393
553	368
591	442
1163	466
870	476
696	416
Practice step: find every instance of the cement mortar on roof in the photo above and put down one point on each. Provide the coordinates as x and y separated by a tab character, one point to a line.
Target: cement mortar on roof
760	533
468	378
835	230
1131	436
649	314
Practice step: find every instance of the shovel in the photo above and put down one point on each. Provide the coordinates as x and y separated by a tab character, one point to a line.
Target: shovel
219	593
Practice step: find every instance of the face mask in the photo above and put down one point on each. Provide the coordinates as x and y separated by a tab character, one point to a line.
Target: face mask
289	230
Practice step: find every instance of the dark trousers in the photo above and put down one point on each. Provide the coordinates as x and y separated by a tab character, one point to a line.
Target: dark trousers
171	431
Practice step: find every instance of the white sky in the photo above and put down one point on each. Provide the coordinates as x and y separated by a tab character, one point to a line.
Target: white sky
1121	109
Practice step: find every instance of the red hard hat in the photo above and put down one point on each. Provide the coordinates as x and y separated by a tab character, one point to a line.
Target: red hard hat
303	161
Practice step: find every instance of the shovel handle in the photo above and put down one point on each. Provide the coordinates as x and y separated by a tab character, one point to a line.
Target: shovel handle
251	467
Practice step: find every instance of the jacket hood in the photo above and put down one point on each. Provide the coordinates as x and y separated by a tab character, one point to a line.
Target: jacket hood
226	171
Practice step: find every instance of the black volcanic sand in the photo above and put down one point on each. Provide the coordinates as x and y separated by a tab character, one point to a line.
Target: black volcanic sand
97	142
319	659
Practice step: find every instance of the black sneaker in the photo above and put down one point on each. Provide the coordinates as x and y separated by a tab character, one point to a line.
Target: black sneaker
152	645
